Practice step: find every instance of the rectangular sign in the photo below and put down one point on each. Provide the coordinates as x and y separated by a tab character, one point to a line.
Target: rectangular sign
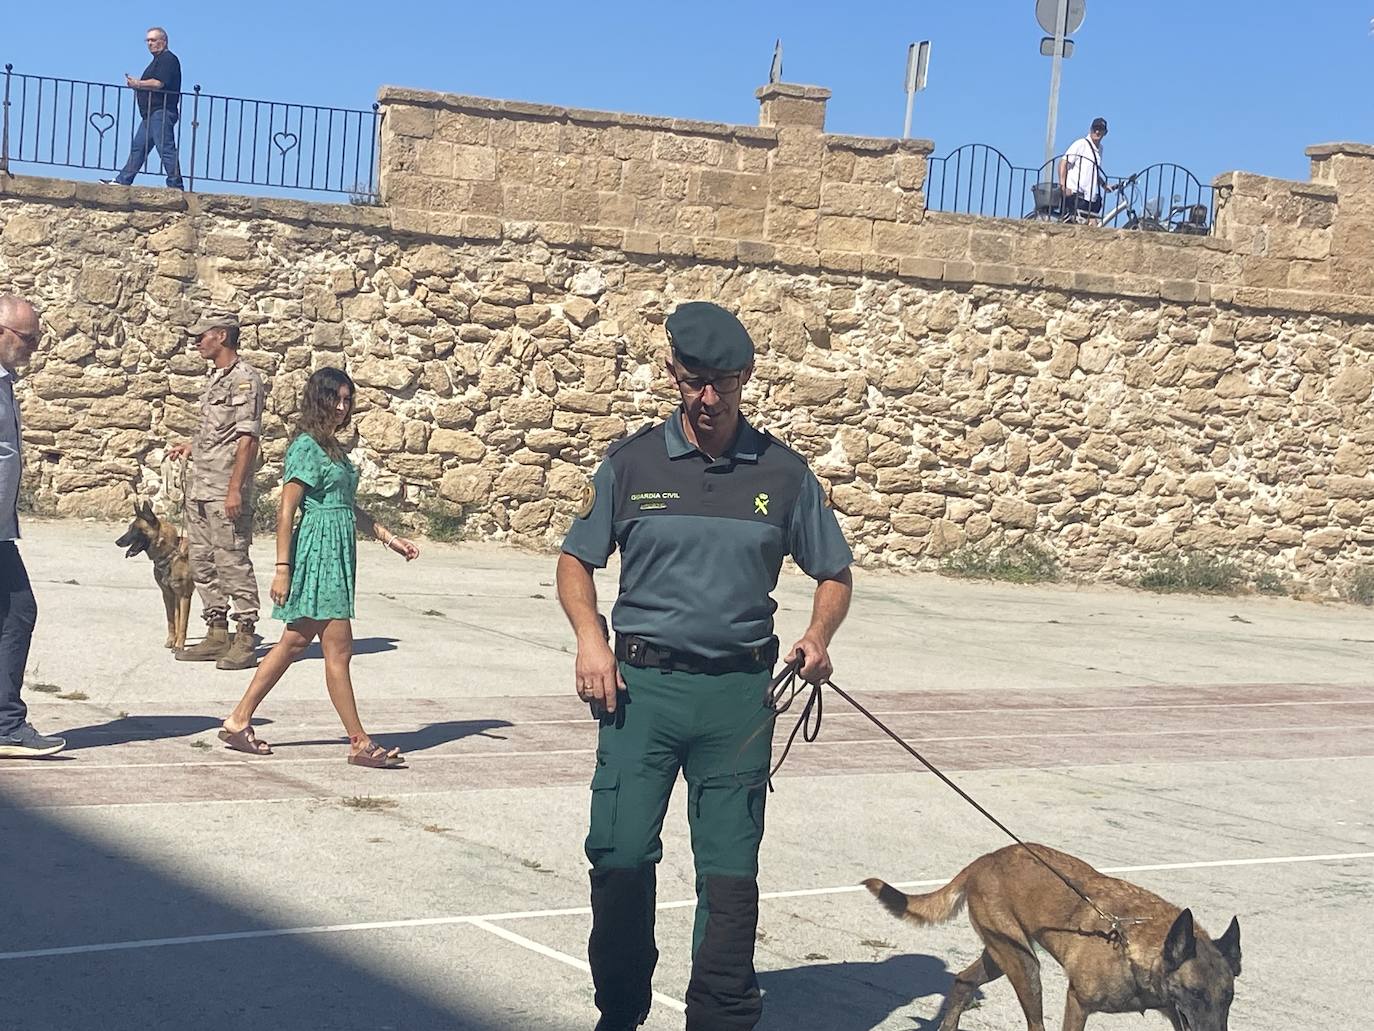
917	64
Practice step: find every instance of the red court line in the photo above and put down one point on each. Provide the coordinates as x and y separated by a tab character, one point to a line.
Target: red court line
1028	729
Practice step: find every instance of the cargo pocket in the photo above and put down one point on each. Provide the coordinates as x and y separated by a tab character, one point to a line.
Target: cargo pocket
605	800
726	814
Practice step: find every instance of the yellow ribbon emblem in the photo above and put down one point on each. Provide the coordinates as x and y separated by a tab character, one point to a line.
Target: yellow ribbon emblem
761	504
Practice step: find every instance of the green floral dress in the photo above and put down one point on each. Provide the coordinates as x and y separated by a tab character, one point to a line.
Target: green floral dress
324	548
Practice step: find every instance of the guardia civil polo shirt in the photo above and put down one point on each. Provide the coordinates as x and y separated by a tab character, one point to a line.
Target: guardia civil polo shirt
702	541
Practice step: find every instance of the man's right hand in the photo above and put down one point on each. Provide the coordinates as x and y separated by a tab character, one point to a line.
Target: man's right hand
598	678
179	451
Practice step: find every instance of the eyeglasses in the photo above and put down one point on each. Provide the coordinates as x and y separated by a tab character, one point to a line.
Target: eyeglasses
31	339
726	384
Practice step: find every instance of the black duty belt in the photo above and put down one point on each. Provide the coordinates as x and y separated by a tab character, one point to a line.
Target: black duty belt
638	652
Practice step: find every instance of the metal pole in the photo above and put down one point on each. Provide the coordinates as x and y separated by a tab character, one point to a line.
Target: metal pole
195	132
5	134
1060	21
906	126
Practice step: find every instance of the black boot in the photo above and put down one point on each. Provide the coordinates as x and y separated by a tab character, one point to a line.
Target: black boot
621	949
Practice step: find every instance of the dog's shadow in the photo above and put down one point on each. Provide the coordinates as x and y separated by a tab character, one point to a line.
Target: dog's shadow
853	996
432	736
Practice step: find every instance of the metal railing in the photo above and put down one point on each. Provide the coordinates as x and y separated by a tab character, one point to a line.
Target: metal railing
71	123
977	179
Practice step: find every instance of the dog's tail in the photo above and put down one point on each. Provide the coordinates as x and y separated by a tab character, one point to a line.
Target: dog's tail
934	907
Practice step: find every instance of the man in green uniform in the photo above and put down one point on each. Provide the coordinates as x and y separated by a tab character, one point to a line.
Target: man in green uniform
219	496
703	507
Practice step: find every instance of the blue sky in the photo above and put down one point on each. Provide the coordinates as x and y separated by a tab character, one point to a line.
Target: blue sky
1206	83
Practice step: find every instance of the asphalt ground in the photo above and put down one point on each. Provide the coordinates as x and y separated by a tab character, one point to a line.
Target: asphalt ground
1217	751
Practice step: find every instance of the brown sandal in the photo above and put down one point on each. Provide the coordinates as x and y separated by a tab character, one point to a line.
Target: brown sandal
244	741
375	757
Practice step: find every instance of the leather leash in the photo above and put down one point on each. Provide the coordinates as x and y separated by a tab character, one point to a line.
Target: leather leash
783	691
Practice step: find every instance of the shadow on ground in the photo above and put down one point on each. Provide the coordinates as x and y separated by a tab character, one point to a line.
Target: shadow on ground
852	996
126	729
432	736
361	646
62	889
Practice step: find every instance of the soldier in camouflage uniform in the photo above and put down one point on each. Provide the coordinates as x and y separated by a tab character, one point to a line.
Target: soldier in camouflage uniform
219	496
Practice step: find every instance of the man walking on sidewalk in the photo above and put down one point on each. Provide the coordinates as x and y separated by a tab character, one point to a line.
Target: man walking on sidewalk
19	334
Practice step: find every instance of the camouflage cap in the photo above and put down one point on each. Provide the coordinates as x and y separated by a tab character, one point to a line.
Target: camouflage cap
706	336
208	322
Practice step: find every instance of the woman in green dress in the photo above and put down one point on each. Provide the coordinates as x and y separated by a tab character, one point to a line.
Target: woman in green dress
316	561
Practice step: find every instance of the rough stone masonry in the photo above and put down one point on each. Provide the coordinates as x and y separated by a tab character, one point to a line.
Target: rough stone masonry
1111	396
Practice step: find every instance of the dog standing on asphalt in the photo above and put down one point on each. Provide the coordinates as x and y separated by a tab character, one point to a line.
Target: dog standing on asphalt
1166	962
171	567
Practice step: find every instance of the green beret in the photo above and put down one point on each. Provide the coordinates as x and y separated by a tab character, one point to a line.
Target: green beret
706	336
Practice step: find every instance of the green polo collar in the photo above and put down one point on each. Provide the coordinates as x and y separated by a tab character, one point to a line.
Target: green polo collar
746	446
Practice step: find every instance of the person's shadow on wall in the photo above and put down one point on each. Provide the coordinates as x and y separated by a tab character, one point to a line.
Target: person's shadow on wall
853	996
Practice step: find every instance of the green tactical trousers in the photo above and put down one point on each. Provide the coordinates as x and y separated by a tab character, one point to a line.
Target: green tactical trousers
718	731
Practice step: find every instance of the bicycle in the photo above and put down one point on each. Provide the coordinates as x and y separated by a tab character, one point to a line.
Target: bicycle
1048	204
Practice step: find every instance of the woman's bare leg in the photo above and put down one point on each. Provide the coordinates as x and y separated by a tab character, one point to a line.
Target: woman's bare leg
336	638
294	640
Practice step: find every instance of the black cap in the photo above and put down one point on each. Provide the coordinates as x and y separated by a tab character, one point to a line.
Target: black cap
706	336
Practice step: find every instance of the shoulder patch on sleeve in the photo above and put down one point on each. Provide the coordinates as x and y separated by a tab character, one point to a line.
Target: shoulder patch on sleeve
588	501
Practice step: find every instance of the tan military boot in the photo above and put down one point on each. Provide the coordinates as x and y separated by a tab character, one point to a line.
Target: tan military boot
216	643
243	649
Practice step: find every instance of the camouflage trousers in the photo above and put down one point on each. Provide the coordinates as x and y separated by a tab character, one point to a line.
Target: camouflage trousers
219	560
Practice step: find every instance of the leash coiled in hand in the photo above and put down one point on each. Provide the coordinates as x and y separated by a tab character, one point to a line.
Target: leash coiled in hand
783	691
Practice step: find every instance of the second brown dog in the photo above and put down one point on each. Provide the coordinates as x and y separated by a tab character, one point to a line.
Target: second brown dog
171	566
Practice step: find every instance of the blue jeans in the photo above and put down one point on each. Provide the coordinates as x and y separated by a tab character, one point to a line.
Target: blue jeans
158	130
18	614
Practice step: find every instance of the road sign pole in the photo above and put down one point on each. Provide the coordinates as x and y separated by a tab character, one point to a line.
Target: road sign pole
1060	31
917	67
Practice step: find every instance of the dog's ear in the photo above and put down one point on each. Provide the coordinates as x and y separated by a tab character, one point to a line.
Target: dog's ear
145	509
1180	944
1229	947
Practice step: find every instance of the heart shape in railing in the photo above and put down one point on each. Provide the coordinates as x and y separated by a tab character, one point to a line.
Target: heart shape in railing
284	141
102	122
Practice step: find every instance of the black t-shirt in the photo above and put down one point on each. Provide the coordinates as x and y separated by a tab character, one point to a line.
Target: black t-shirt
166	69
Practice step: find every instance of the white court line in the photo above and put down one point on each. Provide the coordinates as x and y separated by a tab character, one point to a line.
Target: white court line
266	762
39	767
491	918
561	957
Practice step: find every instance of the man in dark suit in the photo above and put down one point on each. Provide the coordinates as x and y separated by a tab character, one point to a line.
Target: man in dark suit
19	335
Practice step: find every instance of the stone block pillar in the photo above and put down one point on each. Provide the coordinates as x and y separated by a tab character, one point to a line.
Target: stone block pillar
787	105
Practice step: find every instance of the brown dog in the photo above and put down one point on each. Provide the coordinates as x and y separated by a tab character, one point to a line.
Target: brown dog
1167	963
171	567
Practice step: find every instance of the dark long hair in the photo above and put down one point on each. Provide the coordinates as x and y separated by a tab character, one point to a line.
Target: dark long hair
318	413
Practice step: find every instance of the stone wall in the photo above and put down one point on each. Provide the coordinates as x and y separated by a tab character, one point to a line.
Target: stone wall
784	191
1112	395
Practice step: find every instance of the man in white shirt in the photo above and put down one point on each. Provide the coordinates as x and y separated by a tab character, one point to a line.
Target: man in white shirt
19	336
1081	179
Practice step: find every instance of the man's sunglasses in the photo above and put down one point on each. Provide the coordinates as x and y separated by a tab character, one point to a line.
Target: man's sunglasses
29	338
